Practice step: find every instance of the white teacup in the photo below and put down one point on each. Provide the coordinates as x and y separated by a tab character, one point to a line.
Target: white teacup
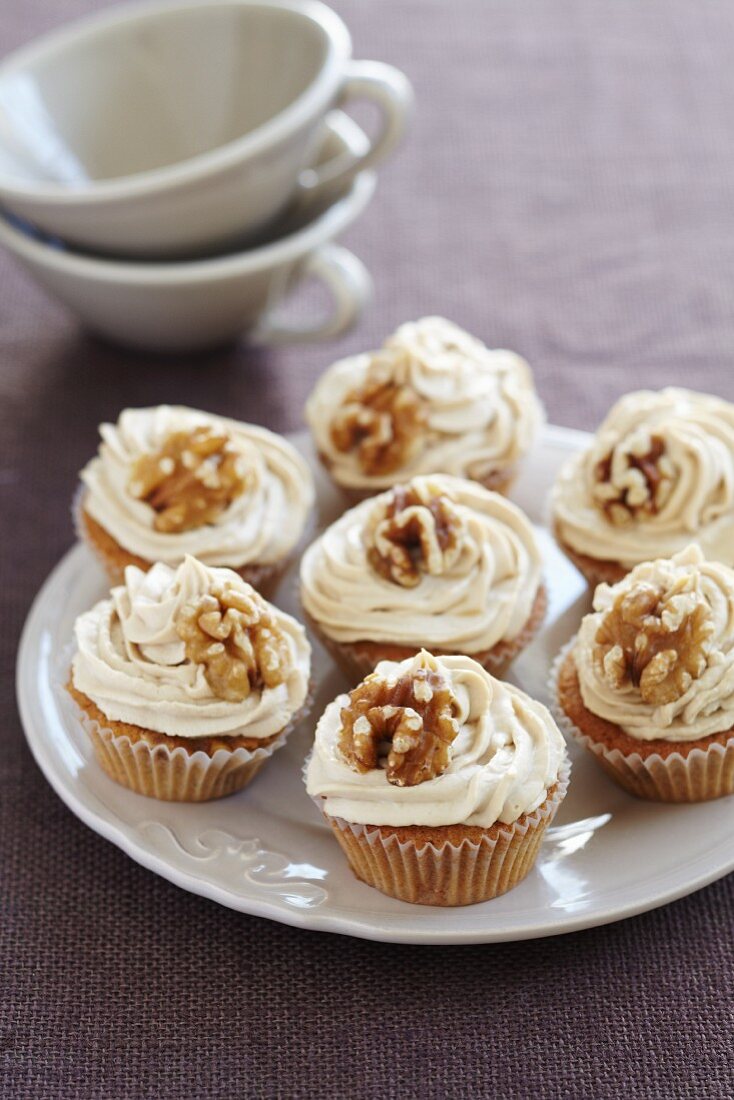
188	306
168	128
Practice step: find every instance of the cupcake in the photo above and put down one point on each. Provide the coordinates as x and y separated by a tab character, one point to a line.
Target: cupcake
659	475
439	562
171	481
437	780
647	685
186	680
433	399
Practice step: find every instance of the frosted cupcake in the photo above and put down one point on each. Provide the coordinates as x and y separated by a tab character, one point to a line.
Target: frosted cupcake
439	563
437	780
659	475
171	481
187	681
433	399
648	684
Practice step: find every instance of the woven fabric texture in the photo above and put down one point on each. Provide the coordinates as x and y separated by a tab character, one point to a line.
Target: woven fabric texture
567	190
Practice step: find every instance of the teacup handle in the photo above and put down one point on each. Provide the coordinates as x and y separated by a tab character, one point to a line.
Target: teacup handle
351	288
390	89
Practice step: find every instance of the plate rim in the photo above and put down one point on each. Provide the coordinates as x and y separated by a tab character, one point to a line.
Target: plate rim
311	920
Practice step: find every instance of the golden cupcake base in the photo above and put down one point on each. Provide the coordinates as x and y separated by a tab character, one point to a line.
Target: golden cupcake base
173	769
658	770
448	865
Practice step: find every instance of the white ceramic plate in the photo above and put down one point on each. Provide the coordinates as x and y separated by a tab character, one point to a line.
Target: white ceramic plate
266	850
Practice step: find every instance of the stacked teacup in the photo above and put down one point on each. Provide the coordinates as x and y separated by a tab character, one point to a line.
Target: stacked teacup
171	170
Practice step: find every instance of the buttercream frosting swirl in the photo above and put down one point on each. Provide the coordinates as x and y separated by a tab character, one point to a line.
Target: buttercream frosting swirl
131	662
260	526
506	756
707	706
482	411
696	433
485	596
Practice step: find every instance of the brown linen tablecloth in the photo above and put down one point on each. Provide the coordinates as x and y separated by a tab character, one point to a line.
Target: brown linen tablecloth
567	190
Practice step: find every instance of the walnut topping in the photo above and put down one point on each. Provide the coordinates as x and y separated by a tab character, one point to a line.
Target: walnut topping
382	420
233	634
415	714
418	530
191	480
635	479
655	639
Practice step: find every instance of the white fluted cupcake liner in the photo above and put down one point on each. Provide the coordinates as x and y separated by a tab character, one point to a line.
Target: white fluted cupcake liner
170	774
265	577
449	874
175	774
699	775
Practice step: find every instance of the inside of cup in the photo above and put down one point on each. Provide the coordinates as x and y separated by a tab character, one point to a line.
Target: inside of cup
341	138
153	91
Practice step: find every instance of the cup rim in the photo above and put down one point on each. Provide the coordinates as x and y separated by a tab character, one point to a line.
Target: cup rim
324	227
315	98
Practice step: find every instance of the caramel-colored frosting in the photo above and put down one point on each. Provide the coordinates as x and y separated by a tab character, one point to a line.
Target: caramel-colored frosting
506	755
262	523
132	661
480	411
691	633
482	594
659	474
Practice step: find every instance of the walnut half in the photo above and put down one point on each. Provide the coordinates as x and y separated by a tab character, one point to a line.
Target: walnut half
191	480
415	714
234	635
383	420
635	479
655	640
417	530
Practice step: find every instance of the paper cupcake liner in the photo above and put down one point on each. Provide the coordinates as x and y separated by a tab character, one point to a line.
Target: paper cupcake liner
172	774
175	775
594	572
355	659
265	577
451	874
698	776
